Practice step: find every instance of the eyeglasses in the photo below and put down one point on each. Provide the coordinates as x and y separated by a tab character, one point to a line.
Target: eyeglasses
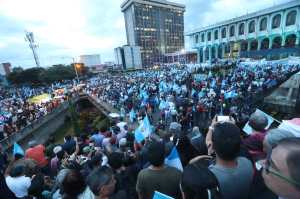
271	168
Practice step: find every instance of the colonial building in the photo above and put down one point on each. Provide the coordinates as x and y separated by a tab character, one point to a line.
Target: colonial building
271	33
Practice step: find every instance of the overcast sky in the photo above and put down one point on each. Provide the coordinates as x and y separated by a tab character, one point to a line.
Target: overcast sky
69	28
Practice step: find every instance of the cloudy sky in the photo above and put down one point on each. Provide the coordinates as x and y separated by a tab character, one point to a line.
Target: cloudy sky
69	28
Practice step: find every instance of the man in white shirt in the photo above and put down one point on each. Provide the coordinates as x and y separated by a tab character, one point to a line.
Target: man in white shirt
17	182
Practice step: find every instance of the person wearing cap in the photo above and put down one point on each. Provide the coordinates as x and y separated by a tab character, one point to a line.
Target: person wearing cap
254	143
56	161
36	153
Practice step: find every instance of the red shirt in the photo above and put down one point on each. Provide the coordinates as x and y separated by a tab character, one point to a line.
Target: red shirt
37	153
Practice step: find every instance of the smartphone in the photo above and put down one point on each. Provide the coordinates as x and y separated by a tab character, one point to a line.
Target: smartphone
223	118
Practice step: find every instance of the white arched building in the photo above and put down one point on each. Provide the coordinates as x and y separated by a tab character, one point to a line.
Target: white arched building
271	33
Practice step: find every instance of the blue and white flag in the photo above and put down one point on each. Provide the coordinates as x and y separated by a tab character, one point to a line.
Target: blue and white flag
193	92
162	105
173	160
158	195
230	94
132	115
143	130
18	149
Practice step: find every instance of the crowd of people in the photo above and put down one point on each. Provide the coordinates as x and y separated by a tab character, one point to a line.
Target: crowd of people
214	158
17	112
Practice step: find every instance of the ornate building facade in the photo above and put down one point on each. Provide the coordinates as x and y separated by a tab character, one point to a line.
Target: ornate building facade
271	33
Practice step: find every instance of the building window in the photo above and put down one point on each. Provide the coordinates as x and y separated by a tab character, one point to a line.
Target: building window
263	24
251	27
196	39
224	33
241	29
291	18
209	36
276	21
216	34
202	38
231	31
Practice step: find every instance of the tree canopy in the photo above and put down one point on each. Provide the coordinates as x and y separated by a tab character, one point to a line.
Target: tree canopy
41	75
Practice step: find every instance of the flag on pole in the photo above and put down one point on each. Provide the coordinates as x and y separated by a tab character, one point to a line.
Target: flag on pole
162	105
173	159
230	94
158	195
143	131
18	149
193	92
132	115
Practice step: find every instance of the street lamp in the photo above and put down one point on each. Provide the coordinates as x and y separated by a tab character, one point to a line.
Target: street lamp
76	66
184	55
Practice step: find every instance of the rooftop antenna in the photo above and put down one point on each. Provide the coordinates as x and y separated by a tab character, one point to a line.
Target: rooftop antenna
33	46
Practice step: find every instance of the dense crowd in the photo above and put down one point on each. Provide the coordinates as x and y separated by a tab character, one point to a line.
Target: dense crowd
18	112
190	152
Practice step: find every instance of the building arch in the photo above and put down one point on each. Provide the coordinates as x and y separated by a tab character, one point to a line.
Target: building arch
223	33
265	43
232	31
244	45
220	51
251	26
263	24
209	36
290	41
216	34
242	29
276	21
202	37
213	52
291	18
276	43
254	45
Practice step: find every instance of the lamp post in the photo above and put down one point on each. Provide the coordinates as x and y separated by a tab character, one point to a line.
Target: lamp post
184	55
75	67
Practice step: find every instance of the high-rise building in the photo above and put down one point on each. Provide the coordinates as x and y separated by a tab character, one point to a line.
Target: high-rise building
128	57
157	26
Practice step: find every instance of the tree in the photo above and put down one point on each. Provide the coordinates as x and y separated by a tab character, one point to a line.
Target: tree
41	75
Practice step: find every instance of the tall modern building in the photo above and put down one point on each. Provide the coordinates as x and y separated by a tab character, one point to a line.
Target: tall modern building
271	33
157	26
128	57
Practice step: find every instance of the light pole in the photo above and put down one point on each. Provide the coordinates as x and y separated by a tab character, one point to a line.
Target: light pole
184	55
75	67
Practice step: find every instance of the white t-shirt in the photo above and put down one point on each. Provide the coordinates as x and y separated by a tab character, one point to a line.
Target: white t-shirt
18	185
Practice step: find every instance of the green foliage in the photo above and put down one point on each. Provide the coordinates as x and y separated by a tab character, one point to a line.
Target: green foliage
41	75
57	73
74	116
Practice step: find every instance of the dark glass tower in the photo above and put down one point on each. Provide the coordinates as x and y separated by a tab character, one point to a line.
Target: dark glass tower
157	26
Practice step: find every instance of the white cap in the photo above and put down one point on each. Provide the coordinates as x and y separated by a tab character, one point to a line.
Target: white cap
57	149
